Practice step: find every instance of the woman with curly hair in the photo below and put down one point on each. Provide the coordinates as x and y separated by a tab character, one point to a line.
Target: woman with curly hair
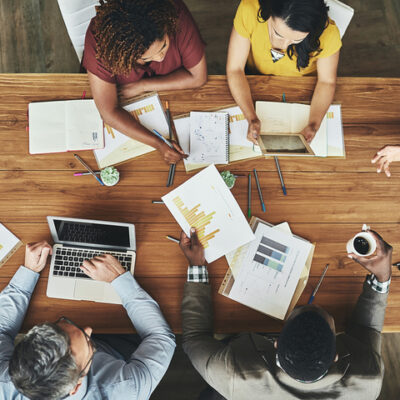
136	46
287	38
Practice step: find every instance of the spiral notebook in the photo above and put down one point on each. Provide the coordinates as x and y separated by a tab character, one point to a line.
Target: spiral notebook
209	137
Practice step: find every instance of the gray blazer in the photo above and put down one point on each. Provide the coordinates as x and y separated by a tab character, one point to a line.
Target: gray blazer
245	367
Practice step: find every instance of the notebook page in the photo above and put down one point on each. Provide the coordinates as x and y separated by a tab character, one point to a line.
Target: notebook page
47	127
209	141
84	126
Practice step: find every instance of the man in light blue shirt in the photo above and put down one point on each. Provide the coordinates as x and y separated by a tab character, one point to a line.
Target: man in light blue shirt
60	360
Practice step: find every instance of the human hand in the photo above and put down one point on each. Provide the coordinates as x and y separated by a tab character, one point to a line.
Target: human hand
381	263
103	268
385	156
253	131
171	155
192	248
309	132
36	255
131	89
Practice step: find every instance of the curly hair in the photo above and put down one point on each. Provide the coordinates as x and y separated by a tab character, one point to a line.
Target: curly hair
125	29
303	16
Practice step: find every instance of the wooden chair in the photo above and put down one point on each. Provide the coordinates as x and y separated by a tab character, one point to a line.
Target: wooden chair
340	13
77	15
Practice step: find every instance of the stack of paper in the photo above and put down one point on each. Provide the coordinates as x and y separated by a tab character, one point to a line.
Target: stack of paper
269	273
9	244
118	148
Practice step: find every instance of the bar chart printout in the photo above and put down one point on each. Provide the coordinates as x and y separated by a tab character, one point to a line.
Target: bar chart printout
271	254
198	220
205	203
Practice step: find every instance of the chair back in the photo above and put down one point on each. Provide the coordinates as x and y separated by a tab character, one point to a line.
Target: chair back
77	15
340	13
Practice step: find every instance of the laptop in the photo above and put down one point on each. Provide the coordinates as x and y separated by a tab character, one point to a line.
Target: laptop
77	240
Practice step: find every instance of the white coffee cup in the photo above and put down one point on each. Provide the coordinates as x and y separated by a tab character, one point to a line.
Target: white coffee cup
368	237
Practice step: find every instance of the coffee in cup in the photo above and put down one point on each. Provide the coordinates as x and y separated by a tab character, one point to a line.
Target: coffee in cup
363	244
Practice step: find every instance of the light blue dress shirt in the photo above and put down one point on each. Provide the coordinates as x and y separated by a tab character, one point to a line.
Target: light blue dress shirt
110	376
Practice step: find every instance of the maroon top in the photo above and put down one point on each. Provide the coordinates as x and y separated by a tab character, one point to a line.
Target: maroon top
186	48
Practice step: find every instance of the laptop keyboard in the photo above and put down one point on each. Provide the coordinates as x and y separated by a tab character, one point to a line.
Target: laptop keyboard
68	260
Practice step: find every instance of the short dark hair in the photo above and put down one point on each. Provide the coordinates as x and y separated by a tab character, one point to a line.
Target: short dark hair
306	346
42	366
303	16
124	30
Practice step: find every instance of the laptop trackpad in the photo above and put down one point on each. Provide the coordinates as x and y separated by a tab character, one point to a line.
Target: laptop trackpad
89	290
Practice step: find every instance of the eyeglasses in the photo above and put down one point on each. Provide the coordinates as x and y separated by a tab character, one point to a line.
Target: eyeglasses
298	380
92	346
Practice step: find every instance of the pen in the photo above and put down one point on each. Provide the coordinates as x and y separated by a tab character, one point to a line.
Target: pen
171	173
88	168
280	175
310	300
259	190
249	198
86	173
157	202
163	138
172	239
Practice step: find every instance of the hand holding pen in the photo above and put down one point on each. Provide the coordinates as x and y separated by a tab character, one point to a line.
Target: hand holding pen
170	151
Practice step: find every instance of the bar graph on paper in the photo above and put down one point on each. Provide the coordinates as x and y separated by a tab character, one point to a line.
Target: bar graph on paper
271	254
197	219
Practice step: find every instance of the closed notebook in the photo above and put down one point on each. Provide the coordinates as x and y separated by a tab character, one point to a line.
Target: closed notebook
60	126
209	137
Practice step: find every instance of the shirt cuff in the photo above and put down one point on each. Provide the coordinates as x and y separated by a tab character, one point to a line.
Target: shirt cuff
25	279
197	273
380	287
124	285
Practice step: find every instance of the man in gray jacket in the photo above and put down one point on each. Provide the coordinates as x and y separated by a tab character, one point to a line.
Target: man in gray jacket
308	360
60	360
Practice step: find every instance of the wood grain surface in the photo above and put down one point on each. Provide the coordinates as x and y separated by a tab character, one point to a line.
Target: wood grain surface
328	200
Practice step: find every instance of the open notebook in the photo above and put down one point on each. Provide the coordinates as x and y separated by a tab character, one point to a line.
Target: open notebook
60	126
239	147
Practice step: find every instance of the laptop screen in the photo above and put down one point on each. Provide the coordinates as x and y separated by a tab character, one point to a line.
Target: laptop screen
92	233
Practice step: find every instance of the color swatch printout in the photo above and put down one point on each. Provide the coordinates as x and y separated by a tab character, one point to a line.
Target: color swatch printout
206	203
270	271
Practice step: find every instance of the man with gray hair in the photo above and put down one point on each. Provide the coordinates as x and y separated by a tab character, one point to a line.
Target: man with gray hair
60	360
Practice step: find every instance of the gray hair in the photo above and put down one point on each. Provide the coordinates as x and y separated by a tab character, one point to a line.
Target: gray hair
42	366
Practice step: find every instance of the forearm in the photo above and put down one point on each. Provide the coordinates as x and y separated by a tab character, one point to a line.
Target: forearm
321	100
14	301
120	119
176	80
240	90
197	327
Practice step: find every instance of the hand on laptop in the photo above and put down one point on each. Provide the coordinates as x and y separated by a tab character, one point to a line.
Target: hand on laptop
36	255
192	248
103	268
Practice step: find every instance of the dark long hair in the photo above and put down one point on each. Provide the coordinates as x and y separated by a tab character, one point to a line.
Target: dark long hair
300	15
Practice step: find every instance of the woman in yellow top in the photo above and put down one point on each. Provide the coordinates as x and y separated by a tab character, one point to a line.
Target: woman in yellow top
287	38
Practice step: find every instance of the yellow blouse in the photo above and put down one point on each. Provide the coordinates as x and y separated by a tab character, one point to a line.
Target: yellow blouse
260	60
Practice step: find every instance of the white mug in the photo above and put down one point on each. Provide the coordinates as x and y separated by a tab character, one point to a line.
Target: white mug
368	237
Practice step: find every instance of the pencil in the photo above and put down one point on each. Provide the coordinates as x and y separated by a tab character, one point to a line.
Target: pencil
157	202
172	239
249	198
86	173
310	300
88	168
280	175
259	190
171	172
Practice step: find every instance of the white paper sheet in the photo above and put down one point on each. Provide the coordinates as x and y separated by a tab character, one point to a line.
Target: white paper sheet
206	203
270	271
7	241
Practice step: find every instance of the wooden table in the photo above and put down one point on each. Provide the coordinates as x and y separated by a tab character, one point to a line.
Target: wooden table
328	200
